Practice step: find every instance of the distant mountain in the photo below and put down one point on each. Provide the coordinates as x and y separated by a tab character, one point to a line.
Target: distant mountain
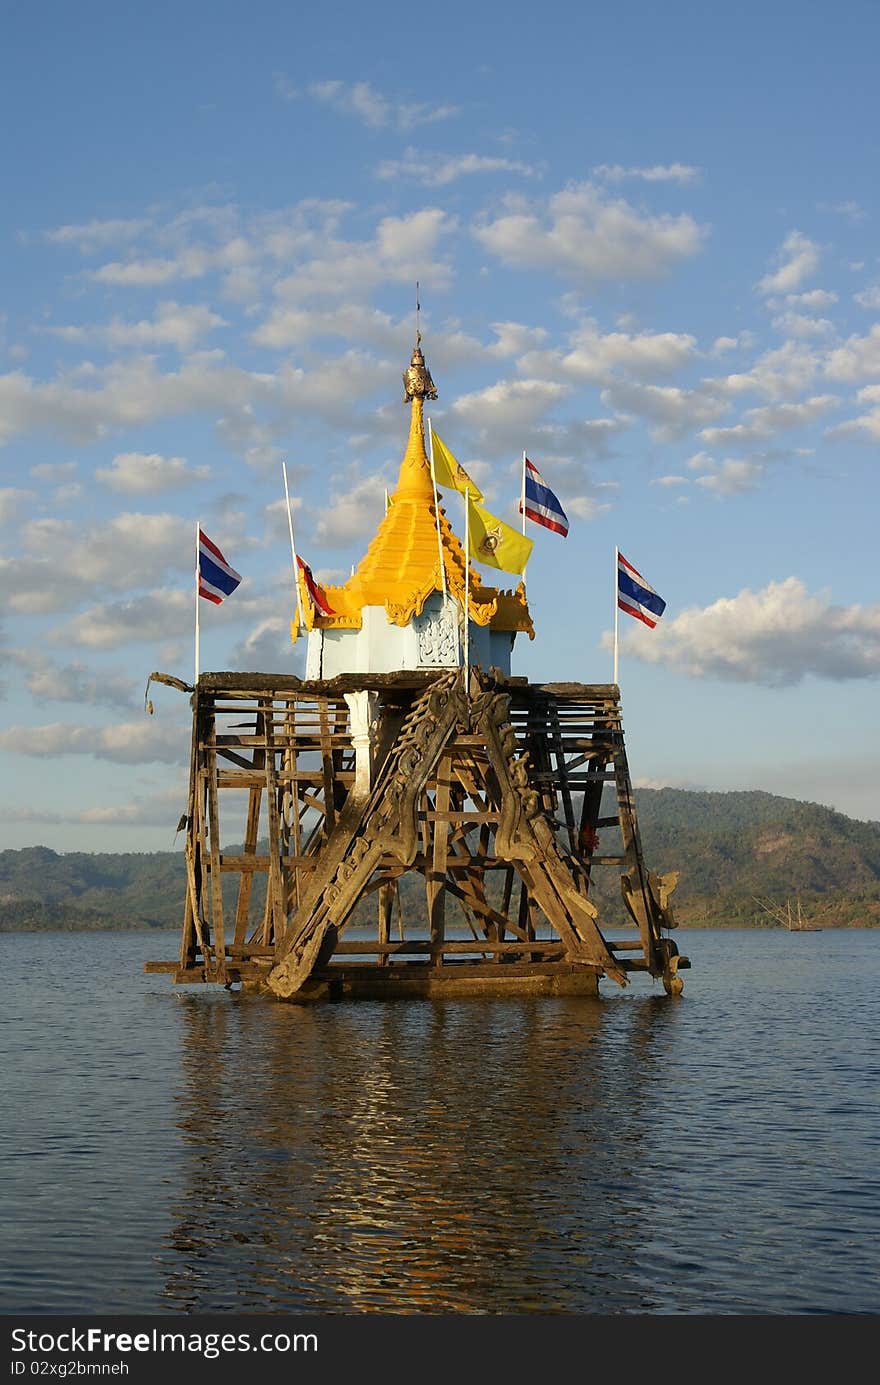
728	848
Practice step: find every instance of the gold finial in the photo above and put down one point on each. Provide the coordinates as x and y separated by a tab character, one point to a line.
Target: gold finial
417	382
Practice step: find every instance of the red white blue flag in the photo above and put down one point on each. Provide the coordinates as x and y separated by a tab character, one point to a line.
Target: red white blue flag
316	596
636	596
217	579
541	505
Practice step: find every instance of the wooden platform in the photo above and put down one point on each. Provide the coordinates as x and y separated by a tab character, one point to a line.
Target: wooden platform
495	794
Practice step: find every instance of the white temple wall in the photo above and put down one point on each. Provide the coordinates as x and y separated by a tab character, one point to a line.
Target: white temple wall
431	640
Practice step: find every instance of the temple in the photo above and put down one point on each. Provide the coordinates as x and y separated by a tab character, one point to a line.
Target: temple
412	818
402	607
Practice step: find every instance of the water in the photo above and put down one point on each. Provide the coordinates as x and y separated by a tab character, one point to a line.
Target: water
197	1151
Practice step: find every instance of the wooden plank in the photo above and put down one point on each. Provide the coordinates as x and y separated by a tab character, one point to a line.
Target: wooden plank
387	891
252	823
235	779
327	766
349	947
217	925
237	971
276	899
441	817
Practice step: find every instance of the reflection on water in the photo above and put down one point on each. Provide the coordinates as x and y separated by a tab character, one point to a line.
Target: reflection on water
198	1151
436	1156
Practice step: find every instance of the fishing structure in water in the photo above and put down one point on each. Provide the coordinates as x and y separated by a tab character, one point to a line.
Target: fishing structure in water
410	747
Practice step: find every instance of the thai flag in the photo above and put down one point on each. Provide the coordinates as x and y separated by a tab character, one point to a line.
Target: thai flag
316	596
636	596
216	578
541	504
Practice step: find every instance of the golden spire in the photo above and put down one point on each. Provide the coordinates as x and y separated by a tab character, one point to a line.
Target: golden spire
414	479
401	567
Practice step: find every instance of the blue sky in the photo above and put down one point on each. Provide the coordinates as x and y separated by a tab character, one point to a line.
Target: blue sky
647	248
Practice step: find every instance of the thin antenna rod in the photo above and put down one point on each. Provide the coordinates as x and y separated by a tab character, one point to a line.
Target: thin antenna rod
418	310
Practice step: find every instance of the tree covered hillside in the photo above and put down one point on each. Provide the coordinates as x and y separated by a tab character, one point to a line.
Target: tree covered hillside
728	848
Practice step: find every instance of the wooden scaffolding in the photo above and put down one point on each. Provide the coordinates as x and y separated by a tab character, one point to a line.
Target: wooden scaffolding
493	792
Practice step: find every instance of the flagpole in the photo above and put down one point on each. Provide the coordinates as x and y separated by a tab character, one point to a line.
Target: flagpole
196	658
436	509
299	611
522	505
467	582
616	608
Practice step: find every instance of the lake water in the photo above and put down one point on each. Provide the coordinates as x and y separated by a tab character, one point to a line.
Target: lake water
195	1151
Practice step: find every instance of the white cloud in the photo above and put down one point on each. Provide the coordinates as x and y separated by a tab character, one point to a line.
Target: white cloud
670	481
277	526
585	506
269	647
594	356
656	173
813	299
731	477
403	250
353	511
362	100
12	502
775	637
147	473
438	170
769	420
63	495
513	338
97	235
801	325
54	471
155	615
587	235
798	258
673	411
503	414
788	370
350	322
869	297
48	681
858	358
130	393
162	809
128	743
64	563
849	209
153	273
175	324
865	428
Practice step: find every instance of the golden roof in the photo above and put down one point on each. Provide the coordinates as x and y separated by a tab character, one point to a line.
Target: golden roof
401	567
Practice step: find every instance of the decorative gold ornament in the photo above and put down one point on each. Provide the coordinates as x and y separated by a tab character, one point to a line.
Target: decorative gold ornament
417	382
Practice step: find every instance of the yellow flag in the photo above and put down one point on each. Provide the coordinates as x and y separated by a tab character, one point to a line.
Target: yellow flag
496	543
449	472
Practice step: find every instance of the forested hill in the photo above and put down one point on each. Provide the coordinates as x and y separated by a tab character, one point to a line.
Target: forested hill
728	847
